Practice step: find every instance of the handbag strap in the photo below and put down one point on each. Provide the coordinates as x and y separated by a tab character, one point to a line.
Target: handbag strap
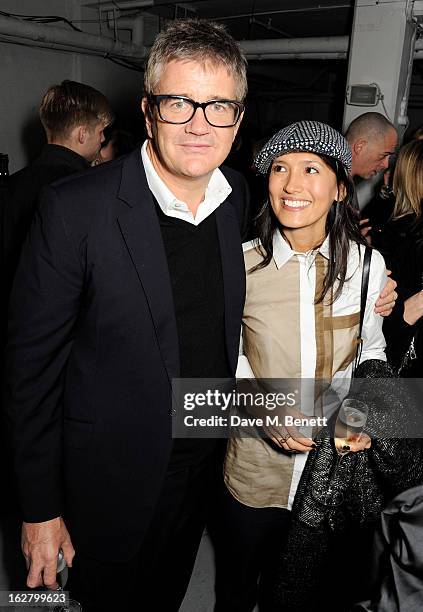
364	289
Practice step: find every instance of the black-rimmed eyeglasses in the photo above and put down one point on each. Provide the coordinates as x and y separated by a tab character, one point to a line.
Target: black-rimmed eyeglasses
179	109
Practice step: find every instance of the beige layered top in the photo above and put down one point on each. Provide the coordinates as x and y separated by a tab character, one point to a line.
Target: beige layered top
287	335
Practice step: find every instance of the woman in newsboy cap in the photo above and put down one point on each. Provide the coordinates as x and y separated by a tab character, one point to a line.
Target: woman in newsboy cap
301	321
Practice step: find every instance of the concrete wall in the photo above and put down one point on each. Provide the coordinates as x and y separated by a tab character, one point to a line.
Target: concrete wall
26	72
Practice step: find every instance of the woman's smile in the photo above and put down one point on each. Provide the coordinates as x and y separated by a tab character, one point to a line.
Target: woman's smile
289	204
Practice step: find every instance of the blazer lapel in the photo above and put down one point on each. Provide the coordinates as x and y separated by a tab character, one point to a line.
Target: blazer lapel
141	231
233	271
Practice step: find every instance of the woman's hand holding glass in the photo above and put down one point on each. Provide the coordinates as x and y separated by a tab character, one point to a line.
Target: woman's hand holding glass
355	446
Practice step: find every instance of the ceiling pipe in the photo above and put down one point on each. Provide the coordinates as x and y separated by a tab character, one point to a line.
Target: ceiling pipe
67	49
323	44
304	9
129	4
329	47
418	55
47	34
289	56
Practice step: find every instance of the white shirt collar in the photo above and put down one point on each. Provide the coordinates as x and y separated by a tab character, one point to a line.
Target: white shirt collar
217	190
282	252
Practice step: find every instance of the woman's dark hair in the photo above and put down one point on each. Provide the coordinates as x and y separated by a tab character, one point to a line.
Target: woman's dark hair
342	225
123	142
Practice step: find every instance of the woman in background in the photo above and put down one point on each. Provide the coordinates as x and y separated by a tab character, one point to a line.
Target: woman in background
117	143
406	260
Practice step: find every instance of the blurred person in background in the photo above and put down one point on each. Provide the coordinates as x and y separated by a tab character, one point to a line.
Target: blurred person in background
405	257
117	143
74	116
373	140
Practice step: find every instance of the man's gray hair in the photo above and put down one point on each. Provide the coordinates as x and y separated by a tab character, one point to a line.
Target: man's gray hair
196	40
370	126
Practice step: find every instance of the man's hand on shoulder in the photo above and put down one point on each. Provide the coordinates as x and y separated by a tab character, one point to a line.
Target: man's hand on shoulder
40	545
386	301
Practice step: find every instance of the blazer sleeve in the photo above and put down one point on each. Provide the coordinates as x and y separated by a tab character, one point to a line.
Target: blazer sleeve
43	310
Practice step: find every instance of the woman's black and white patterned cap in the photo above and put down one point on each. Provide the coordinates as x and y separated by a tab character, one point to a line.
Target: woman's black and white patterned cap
310	136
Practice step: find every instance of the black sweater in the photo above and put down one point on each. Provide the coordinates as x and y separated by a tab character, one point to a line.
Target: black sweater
193	255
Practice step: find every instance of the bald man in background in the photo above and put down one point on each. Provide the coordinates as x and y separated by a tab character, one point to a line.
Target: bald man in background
372	139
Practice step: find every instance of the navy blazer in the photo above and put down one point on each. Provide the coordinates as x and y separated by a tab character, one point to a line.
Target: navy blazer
93	348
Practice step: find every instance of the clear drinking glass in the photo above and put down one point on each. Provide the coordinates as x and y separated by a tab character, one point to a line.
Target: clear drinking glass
350	423
352	419
62	577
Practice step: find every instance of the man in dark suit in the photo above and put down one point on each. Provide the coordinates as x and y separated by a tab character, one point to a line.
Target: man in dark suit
132	276
74	116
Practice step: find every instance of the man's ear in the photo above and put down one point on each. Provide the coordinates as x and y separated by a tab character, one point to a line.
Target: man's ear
78	135
146	109
81	133
359	145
